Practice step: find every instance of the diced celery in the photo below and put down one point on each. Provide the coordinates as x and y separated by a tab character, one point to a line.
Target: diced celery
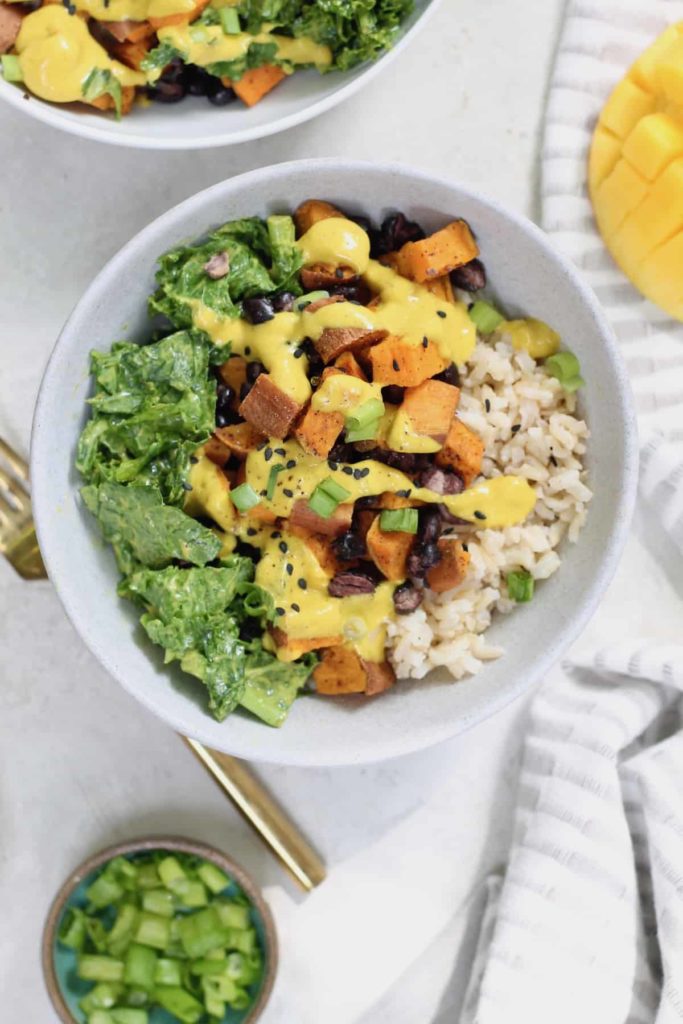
230	24
140	967
72	930
201	932
213	878
233	916
180	1003
167	972
153	930
99	968
170	871
158	901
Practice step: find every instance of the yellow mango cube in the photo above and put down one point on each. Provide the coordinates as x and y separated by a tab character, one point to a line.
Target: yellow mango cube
635	172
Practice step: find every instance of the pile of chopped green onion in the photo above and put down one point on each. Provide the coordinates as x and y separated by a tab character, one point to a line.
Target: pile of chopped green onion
363	423
163	930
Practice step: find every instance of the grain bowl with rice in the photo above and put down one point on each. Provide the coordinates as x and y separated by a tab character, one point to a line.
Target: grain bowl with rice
335	460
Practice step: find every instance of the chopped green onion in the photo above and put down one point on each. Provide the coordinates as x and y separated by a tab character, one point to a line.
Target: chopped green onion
148	877
240	1000
399	520
167	972
274	470
102	997
485	316
230	21
179	1003
322	504
232	916
201	932
335	490
306	300
100	1017
122	930
139	966
241	940
244	497
128	1015
72	930
11	68
214	1005
101	82
365	414
368	433
520	584
191	893
153	930
99	968
170	871
281	228
566	367
158	901
213	878
104	890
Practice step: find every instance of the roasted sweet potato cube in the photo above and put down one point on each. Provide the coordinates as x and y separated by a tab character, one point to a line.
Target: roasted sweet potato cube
335	340
233	372
380	676
256	83
389	550
451	568
394	361
348	363
317	431
437	255
106	101
304	516
327	301
294	647
326	275
442	288
431	407
240	438
339	671
320	546
462	451
269	409
132	54
310	212
217	451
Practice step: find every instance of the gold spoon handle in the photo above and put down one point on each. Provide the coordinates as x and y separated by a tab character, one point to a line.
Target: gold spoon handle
263	813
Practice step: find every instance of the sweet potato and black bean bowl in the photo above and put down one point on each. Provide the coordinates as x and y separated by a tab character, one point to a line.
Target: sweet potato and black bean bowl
336	455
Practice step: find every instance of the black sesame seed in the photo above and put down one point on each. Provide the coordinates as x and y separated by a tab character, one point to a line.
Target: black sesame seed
263	494
347	470
268	454
425	342
194	460
275	534
290	568
487	405
283	547
479	515
364	472
280	451
403	494
260	447
441	313
279	611
287	493
332	464
517	426
466	547
251	532
357	474
302	583
247	350
291	463
298	352
295	607
339	274
187	486
395	364
553	460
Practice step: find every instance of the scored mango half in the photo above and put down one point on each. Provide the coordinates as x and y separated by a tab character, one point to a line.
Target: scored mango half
635	172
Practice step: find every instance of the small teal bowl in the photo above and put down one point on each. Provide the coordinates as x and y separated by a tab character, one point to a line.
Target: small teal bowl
59	963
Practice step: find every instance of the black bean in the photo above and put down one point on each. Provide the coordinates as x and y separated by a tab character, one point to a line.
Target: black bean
393	394
429	525
199	82
406	462
352	291
283	302
224	399
395	231
407	598
348	584
421	559
257	310
244	390
443	481
450	519
221	97
254	370
363	222
349	546
450	375
471	277
166	92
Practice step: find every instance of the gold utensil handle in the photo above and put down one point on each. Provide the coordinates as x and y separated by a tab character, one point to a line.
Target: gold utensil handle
263	814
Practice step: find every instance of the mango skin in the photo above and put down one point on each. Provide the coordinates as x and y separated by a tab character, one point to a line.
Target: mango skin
635	172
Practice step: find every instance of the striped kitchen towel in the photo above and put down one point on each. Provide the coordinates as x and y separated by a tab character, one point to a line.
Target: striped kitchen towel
587	923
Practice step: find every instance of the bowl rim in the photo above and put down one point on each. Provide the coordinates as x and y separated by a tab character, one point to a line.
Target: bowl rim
608	558
54	115
177	844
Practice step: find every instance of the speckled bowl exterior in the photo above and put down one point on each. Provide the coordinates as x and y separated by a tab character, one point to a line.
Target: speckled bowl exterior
196	124
65	989
528	277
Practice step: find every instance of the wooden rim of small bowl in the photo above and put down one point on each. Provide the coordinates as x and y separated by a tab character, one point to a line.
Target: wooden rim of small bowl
173	843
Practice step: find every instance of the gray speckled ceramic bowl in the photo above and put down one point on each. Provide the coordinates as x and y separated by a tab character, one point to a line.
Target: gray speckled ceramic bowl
64	987
530	277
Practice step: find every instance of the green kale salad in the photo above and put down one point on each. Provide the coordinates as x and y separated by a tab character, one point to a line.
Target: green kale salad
115	54
153	406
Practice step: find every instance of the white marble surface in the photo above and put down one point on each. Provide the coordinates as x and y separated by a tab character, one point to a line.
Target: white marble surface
81	764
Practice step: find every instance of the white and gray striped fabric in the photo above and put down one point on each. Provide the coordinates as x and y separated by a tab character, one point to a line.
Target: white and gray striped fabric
587	924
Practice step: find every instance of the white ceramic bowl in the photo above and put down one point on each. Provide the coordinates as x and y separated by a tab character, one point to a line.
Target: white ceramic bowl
196	124
528	277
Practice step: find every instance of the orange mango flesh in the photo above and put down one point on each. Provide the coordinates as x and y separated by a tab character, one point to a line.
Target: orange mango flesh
635	172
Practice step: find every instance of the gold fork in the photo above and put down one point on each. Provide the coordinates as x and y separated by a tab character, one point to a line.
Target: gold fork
19	545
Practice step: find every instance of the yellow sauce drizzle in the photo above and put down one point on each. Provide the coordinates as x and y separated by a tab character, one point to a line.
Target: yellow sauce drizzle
208	44
133	10
336	240
340	392
402	437
57	53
